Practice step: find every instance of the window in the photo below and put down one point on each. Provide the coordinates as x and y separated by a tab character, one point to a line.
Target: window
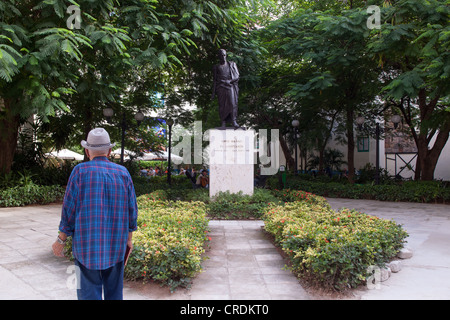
363	144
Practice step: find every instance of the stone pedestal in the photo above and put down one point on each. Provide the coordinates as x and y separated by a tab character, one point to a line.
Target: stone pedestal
231	159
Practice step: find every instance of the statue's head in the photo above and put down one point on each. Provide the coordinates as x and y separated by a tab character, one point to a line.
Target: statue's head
222	54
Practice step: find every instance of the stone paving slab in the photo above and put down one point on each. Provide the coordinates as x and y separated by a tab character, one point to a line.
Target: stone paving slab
243	264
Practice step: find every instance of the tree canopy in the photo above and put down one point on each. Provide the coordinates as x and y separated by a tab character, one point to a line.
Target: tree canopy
315	61
120	56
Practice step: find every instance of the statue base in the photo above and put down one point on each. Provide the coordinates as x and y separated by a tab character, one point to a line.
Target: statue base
231	161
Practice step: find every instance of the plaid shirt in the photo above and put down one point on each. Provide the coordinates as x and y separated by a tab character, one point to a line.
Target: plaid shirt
99	210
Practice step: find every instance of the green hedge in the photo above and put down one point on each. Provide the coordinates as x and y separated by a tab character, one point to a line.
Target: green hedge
225	205
328	248
30	194
146	185
169	242
409	191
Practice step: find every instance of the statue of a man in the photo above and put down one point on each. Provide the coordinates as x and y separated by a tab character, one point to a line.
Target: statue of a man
225	86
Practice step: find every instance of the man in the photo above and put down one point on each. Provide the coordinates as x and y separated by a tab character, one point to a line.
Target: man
203	179
225	86
100	213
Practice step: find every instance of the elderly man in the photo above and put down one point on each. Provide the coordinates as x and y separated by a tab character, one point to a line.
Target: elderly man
100	213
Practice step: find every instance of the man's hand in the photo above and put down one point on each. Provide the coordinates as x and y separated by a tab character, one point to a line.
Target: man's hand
58	249
130	240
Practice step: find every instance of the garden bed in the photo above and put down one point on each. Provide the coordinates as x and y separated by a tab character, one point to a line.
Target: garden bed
169	242
332	249
327	249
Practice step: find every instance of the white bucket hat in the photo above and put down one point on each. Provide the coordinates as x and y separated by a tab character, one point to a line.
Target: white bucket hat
98	139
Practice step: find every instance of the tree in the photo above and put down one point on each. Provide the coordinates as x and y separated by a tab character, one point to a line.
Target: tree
36	55
412	48
49	70
333	74
337	64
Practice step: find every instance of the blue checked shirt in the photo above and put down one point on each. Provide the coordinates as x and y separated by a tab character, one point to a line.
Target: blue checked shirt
99	210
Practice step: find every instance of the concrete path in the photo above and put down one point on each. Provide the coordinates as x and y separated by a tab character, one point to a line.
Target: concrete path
242	263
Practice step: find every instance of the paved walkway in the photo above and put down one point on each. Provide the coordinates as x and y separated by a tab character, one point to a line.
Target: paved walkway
243	264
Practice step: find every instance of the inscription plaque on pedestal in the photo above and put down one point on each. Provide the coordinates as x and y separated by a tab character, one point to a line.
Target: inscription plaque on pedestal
231	159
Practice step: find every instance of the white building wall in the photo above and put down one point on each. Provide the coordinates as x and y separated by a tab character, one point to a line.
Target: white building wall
442	171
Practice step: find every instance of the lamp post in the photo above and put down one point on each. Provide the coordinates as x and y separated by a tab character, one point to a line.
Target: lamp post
109	112
396	119
360	121
169	122
295	124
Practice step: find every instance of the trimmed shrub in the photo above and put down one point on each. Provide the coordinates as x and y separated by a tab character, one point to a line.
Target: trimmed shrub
332	249
227	205
30	194
287	195
169	242
410	191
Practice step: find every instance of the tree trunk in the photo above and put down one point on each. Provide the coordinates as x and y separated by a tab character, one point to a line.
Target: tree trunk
287	154
321	160
350	146
428	158
418	171
87	128
9	130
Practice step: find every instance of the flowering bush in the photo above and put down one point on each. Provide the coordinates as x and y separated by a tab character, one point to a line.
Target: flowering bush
148	199
169	241
333	249
288	195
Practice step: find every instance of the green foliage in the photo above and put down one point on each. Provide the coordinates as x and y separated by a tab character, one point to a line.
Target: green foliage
367	175
144	185
409	191
169	242
227	205
19	189
30	193
332	249
66	77
224	205
301	196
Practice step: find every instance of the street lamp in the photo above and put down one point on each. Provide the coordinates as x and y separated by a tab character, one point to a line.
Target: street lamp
139	117
109	112
295	124
169	122
396	119
360	121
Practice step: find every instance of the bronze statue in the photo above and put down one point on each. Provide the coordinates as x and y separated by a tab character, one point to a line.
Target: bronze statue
225	86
